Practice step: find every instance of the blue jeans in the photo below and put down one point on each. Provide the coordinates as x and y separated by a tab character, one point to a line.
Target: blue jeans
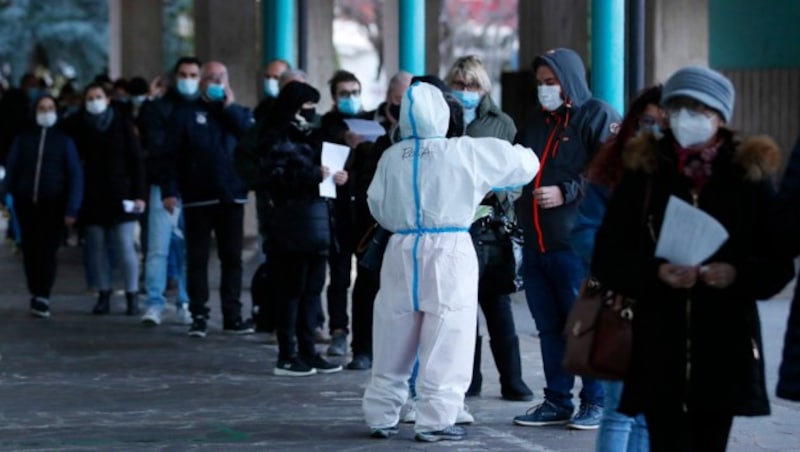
97	252
552	281
160	236
618	432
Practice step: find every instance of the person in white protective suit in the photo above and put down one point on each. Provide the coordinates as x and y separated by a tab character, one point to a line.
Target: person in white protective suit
426	190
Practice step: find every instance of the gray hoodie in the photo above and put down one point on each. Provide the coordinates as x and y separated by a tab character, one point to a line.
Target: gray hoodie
575	131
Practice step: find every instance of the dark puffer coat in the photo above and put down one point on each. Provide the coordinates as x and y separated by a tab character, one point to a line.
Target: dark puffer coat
698	347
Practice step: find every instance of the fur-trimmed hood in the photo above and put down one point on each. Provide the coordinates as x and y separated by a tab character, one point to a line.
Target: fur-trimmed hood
758	156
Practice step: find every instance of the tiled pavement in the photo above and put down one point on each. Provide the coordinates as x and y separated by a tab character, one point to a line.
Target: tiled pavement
78	382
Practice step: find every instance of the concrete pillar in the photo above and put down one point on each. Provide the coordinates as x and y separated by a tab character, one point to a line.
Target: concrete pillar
608	52
391	37
546	24
320	52
229	35
433	16
677	33
412	32
136	46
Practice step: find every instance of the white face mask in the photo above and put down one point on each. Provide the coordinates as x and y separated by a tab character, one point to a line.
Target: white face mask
691	128
550	97
96	106
46	119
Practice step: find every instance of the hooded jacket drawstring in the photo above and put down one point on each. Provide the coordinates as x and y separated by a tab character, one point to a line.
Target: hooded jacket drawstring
551	148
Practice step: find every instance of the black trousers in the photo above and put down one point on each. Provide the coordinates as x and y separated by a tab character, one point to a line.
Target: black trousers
499	317
696	431
340	263
42	227
298	281
227	223
364	291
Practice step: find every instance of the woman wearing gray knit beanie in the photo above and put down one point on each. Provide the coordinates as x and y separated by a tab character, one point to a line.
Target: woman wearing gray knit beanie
696	359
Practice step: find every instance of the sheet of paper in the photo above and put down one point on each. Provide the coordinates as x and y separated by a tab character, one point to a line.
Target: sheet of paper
688	236
334	157
174	220
370	130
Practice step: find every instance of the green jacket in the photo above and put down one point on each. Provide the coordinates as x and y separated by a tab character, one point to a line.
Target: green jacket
490	121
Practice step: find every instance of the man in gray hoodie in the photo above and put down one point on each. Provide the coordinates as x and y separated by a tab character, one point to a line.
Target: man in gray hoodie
565	128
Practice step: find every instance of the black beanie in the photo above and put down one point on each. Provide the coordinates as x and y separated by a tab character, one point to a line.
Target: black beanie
292	97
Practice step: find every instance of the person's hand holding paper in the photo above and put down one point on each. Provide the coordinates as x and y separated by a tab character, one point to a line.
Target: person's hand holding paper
334	157
688	237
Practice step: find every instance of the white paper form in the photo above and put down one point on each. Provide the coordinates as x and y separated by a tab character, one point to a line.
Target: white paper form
689	236
334	157
370	130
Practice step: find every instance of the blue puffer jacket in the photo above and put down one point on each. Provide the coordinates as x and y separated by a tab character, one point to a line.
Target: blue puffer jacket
60	174
198	153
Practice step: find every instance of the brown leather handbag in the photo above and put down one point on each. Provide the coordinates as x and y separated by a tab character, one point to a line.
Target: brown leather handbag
598	333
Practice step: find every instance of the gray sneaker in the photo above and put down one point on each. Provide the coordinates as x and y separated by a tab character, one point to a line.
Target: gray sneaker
547	413
338	345
587	418
182	315
152	316
452	433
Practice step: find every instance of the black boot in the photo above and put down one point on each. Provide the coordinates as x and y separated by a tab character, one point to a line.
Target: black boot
506	356
474	389
103	304
131	303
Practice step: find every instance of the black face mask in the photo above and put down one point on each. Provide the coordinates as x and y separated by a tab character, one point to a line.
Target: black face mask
394	110
309	114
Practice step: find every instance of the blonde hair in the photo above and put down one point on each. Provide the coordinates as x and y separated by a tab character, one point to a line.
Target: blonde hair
470	68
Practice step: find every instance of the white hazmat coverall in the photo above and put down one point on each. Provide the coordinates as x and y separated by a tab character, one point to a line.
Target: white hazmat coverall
426	190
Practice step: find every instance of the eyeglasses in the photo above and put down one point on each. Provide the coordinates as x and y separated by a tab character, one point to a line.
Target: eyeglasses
459	85
647	121
353	93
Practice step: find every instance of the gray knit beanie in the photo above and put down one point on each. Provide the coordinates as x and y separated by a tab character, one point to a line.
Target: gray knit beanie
703	85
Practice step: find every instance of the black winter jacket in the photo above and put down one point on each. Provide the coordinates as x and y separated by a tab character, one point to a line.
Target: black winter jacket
789	211
153	123
564	141
198	153
113	169
299	221
698	348
60	175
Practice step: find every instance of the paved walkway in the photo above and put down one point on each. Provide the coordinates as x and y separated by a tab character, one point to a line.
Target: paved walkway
78	382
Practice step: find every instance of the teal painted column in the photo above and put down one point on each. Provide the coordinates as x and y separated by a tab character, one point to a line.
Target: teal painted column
608	52
412	36
279	22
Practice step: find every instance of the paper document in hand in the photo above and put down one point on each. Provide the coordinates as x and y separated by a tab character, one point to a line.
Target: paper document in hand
334	157
370	130
688	236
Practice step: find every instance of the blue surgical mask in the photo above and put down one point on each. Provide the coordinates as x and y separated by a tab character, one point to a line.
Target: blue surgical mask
188	86
469	116
469	99
349	105
215	92
271	87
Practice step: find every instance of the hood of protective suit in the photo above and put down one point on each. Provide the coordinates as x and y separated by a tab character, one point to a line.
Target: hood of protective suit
568	66
424	112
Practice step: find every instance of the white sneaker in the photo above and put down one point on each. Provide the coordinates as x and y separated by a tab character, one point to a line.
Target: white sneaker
152	316
183	316
408	414
464	416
